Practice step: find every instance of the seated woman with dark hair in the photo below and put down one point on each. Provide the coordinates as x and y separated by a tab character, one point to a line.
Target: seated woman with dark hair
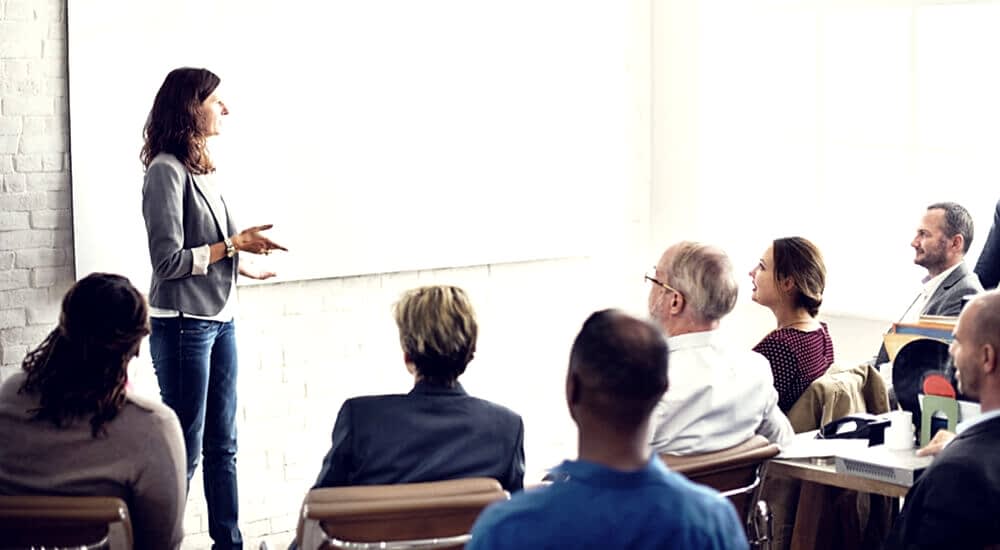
789	280
71	427
437	431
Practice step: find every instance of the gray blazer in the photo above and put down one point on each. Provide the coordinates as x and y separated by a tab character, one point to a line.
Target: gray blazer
949	297
947	300
179	218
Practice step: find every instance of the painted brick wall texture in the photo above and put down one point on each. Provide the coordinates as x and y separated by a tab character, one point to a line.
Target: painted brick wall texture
304	346
36	255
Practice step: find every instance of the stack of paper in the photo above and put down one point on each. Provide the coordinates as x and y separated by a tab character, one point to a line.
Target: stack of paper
805	445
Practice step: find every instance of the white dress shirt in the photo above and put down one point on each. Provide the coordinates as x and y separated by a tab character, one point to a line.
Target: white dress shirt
717	397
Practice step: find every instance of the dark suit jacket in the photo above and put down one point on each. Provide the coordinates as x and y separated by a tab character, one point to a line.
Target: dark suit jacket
956	502
433	433
988	266
948	299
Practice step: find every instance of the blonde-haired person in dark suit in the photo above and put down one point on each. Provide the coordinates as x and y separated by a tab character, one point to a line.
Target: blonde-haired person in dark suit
437	431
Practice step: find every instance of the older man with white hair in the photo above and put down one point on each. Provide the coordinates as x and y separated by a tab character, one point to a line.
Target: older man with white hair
719	396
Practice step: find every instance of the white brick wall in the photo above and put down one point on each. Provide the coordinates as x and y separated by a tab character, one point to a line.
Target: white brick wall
304	346
35	259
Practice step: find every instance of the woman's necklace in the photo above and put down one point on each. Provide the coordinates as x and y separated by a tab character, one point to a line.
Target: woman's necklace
795	324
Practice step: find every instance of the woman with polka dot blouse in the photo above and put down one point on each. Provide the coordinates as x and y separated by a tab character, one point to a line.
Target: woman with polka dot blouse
789	280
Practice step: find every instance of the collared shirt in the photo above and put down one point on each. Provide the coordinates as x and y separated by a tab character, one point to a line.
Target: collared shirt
593	506
965	425
931	285
717	397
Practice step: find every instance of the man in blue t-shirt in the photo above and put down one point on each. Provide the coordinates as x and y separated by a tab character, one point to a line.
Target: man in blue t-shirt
616	494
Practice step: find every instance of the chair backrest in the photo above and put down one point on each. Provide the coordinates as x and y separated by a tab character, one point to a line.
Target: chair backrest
53	522
436	514
735	472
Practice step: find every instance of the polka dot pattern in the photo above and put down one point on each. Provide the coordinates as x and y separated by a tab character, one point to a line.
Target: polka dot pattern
797	358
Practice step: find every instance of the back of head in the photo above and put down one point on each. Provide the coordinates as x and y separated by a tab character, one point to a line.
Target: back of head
620	367
957	221
437	331
80	368
801	260
175	124
704	275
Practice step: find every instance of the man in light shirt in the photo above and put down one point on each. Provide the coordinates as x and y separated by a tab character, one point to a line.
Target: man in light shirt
943	238
719	396
956	501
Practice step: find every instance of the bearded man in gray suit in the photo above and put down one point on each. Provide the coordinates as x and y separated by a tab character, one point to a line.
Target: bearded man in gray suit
943	238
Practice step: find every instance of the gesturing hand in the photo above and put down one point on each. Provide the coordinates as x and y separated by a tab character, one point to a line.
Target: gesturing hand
250	240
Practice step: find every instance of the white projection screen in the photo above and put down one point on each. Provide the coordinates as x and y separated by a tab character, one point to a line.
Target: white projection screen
377	136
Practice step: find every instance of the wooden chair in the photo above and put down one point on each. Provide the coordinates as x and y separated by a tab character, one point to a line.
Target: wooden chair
735	472
51	522
436	514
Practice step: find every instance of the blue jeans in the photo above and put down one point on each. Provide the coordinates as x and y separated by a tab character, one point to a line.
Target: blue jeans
195	364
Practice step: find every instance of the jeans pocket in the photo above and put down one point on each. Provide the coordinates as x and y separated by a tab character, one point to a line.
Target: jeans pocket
197	327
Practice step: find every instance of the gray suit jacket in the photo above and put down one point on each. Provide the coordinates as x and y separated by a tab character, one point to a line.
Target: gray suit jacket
948	299
179	217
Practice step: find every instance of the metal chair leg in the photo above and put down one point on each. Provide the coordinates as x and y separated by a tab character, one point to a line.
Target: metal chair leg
761	526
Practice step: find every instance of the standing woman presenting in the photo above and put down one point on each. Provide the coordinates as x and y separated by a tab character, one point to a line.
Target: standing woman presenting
194	249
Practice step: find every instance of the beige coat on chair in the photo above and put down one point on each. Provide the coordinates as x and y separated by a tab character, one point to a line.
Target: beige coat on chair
839	392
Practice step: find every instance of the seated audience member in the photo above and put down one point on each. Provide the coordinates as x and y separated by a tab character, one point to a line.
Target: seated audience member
615	495
943	238
71	426
437	431
719	396
956	502
988	265
789	280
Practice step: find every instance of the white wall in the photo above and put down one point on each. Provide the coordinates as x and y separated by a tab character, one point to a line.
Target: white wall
36	254
467	120
836	121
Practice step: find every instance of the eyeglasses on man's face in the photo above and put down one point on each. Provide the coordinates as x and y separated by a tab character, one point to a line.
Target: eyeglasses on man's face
651	277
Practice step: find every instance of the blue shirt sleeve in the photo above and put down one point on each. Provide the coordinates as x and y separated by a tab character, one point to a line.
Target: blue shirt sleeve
485	535
731	535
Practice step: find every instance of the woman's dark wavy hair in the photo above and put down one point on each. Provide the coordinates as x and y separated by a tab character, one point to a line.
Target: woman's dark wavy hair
801	260
79	369
175	122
